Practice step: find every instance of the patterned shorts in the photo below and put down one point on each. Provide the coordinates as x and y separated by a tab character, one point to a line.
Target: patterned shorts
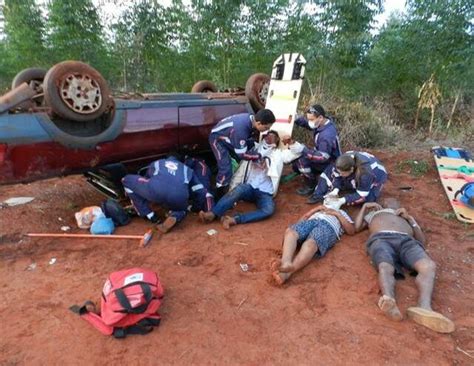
318	230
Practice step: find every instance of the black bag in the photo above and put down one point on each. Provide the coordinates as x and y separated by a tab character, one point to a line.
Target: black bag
113	210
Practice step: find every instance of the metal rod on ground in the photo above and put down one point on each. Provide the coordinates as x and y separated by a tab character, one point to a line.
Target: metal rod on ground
144	239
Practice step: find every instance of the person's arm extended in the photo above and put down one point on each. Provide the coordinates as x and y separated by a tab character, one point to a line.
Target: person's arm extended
360	223
417	232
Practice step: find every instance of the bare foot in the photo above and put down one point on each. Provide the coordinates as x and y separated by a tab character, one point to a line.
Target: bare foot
390	308
431	319
207	216
167	224
227	222
287	267
280	278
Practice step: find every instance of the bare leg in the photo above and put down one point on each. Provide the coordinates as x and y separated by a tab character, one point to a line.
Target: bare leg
387	302
425	281
423	314
304	256
289	247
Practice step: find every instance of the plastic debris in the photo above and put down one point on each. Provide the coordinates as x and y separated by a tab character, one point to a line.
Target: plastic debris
65	228
15	201
52	261
244	267
31	267
211	232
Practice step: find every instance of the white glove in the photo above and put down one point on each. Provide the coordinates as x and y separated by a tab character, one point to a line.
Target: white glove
296	147
333	193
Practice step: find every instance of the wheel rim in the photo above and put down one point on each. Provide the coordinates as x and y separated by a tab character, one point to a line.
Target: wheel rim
263	92
81	93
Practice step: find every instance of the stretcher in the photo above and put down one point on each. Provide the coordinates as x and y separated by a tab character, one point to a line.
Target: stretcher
284	91
456	168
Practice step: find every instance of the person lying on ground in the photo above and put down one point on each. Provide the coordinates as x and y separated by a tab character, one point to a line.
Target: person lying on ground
317	231
358	173
254	181
168	183
232	137
314	160
396	241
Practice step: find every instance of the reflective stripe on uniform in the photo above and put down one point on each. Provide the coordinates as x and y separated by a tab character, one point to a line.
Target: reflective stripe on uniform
197	187
362	193
241	151
222	127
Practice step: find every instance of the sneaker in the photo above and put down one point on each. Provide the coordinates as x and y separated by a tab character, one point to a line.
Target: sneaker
305	191
314	199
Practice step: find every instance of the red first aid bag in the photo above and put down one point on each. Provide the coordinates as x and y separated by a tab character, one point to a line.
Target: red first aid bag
130	302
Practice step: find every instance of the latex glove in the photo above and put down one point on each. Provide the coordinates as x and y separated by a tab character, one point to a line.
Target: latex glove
296	148
333	193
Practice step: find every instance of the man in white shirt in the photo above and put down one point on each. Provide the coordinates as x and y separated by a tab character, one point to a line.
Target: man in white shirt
317	231
255	181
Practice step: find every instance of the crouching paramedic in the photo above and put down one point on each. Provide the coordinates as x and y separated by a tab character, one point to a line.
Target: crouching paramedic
167	183
314	160
359	174
254	181
232	135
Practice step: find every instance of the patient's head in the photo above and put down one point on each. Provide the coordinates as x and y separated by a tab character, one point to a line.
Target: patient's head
391	202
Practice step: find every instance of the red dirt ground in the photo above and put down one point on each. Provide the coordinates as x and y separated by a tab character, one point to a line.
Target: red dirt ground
213	313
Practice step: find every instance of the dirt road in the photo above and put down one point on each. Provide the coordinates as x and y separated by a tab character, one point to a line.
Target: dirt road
213	312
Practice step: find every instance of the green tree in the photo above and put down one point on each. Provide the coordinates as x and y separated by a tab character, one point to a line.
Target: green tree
24	29
75	33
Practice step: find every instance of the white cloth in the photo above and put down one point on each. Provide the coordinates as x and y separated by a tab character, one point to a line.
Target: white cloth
274	163
259	179
333	221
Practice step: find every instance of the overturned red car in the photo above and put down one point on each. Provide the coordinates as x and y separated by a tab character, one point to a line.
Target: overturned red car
65	121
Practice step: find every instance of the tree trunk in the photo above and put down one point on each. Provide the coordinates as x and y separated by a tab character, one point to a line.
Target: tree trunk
416	116
432	119
454	108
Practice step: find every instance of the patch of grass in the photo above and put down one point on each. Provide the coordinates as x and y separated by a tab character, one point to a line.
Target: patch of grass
417	168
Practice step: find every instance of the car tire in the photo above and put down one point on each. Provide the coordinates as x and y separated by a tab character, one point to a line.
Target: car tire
33	76
76	91
256	90
28	75
204	86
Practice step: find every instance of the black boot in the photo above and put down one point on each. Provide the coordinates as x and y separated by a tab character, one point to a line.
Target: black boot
314	199
307	189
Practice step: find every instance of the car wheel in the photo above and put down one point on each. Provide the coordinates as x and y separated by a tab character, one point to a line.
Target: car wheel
256	90
204	86
33	76
76	91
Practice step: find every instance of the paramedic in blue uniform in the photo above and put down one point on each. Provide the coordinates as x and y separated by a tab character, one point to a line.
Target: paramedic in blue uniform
232	137
359	173
314	160
202	172
168	183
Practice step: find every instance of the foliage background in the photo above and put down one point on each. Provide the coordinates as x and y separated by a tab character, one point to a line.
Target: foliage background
369	80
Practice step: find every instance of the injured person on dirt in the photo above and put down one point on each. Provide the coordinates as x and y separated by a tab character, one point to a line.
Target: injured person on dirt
255	182
317	231
396	240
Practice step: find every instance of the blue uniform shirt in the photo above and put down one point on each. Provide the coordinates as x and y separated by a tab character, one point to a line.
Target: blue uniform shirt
235	131
326	142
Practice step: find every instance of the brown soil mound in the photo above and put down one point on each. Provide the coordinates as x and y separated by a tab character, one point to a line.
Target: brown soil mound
213	312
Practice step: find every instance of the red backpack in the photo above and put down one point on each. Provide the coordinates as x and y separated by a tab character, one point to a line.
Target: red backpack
130	302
